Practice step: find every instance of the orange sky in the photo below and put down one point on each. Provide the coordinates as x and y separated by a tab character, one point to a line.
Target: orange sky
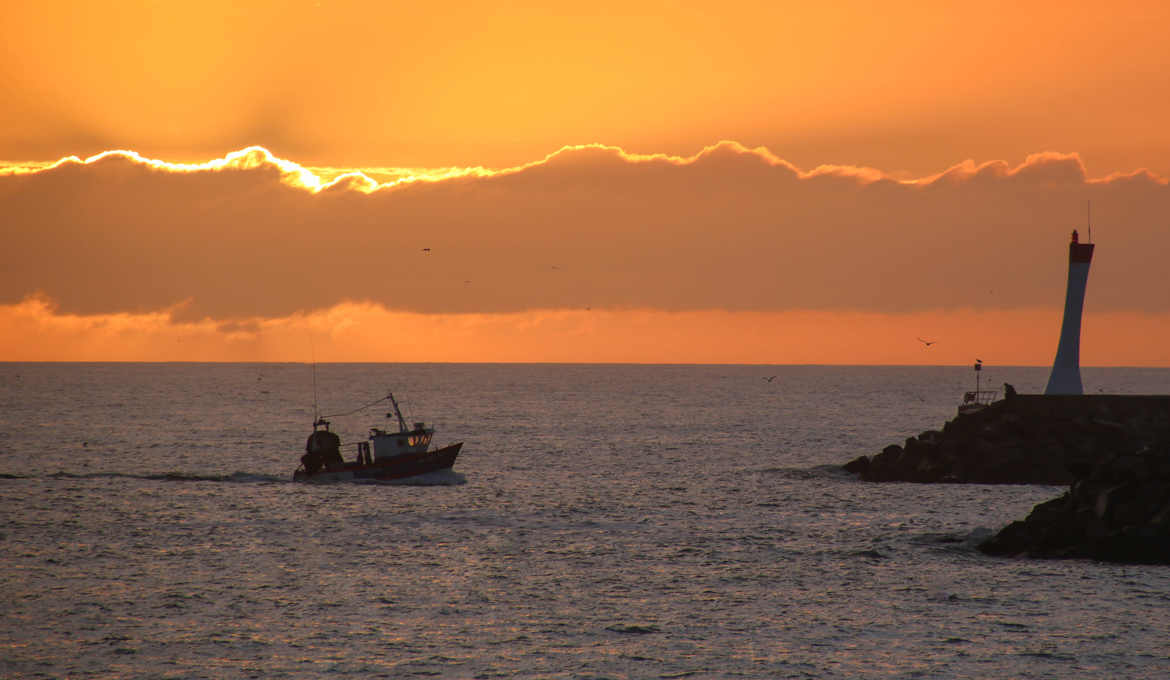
579	205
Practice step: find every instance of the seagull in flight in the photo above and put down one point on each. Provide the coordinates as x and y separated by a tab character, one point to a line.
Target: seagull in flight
770	378
426	250
927	343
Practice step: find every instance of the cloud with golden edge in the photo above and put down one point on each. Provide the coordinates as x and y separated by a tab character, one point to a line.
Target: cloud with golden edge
588	226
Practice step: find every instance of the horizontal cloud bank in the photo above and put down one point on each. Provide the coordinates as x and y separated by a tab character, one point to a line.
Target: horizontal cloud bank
591	227
35	331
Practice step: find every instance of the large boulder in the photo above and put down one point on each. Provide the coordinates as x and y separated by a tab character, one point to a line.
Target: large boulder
1119	512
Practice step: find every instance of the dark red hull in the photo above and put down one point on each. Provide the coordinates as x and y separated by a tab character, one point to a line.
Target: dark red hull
399	467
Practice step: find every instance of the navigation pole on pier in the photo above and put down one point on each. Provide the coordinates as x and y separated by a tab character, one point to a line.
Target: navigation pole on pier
1066	369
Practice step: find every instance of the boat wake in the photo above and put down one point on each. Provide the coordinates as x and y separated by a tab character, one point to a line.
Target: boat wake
437	478
235	477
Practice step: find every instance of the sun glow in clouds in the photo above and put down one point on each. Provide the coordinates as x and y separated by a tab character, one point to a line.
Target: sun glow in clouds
423	181
369	180
257	157
367	332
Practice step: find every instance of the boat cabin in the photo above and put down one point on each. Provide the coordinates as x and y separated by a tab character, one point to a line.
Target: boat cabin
392	444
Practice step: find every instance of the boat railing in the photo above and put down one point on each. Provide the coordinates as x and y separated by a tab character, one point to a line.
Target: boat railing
980	397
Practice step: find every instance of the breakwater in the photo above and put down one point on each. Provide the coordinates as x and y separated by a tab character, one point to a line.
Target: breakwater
1027	439
1112	450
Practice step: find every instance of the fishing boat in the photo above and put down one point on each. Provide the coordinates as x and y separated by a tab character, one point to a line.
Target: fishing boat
386	456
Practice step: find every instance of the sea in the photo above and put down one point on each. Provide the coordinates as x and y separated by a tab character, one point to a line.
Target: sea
602	521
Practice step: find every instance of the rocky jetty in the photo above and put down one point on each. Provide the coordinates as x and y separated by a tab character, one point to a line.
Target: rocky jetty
1026	439
1118	512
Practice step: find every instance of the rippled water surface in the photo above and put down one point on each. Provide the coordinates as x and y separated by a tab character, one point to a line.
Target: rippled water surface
601	522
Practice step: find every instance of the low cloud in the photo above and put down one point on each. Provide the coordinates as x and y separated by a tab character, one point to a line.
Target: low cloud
35	330
730	228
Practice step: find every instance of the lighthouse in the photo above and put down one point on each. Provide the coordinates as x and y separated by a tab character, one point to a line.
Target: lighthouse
1066	369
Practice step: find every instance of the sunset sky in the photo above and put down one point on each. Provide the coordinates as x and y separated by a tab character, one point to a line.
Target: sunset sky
725	182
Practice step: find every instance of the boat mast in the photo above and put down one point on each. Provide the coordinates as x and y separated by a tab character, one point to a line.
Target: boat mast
401	421
316	408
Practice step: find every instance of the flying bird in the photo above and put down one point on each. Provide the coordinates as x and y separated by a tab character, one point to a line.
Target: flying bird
927	343
426	250
770	378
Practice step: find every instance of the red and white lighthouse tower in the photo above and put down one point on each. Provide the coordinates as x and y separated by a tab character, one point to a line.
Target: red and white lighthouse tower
1066	369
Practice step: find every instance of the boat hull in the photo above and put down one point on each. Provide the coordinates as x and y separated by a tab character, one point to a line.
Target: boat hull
399	467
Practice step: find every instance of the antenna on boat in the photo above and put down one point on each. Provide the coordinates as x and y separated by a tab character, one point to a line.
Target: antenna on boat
313	355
